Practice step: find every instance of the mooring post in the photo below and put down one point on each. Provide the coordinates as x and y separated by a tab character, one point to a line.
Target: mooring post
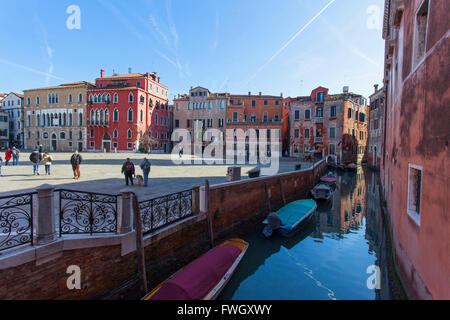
282	191
209	213
140	254
267	197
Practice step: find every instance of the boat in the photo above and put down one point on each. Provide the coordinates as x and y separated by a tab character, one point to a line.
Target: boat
329	178
351	167
322	192
289	218
341	167
205	277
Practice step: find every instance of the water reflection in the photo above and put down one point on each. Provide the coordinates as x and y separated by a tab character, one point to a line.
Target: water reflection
328	259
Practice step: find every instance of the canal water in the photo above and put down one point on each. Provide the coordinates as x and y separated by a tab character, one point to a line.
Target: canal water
340	255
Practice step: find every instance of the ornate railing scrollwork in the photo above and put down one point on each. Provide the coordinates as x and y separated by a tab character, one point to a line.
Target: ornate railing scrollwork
86	212
160	212
16	220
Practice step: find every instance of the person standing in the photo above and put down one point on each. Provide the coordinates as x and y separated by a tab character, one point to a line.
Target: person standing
35	158
15	155
146	167
76	160
128	170
47	162
8	155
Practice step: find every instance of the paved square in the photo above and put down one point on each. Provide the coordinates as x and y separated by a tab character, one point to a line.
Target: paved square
101	172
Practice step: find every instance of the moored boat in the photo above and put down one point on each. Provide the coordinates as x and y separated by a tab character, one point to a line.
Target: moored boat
290	218
329	178
351	167
322	192
205	277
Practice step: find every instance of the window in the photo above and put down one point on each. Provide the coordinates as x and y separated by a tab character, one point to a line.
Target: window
420	33
188	123
253	118
92	144
62	135
277	102
320	96
130	145
297	115
70	135
45	135
307	114
138	84
319	112
350	113
332	149
116	98
220	123
222	104
362	117
116	115
235	116
141	116
333	112
130	97
80	135
306	133
253	103
129	134
266	102
141	99
91	133
276	118
265	117
297	133
80	97
28	101
70	98
332	133
115	134
38	101
414	192
80	119
130	114
115	145
177	123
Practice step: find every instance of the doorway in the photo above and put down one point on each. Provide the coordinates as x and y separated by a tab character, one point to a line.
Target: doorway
54	143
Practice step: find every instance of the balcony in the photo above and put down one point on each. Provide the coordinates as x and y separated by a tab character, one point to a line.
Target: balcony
318	120
104	124
318	139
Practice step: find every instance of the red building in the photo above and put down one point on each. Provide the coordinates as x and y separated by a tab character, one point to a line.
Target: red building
127	113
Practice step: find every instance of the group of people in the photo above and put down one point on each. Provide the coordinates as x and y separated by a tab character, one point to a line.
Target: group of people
38	156
10	154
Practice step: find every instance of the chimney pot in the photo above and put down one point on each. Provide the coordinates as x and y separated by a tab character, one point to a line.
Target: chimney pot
158	79
260	93
376	87
102	73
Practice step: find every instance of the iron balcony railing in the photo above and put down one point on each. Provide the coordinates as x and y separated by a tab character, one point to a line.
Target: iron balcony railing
87	212
163	211
16	220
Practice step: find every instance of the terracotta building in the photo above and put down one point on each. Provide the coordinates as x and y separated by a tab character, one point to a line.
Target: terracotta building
56	117
329	126
128	112
200	108
376	126
414	169
258	112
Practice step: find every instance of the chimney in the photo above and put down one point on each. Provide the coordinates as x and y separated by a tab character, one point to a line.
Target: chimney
376	87
102	73
158	79
260	93
249	93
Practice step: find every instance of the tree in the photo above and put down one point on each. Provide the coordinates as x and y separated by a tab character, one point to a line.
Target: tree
146	142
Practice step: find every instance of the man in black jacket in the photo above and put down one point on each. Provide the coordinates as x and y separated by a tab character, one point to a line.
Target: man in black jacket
76	160
35	158
128	170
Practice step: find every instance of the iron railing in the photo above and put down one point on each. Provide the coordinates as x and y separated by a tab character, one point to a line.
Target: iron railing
160	212
16	220
87	212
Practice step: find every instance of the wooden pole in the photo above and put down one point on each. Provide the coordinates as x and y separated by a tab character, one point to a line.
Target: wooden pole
282	191
140	254
209	213
267	197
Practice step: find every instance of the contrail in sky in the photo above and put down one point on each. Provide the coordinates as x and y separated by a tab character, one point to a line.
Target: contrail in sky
289	41
31	70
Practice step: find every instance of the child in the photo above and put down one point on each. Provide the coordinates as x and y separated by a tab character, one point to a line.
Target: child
47	162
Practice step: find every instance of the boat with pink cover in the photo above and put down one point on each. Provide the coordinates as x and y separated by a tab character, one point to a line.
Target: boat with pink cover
204	278
329	178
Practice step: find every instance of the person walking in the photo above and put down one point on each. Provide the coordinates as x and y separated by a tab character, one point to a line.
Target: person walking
8	155
146	167
15	155
128	170
35	158
76	160
47	162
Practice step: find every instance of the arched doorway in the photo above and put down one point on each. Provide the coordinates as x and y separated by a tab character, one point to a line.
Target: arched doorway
54	143
106	143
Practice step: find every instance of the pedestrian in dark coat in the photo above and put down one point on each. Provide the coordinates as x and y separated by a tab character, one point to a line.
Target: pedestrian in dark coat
76	160
128	170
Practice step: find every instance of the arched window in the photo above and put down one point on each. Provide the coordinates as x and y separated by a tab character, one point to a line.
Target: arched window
48	120
51	119
130	114
70	98
103	97
80	119
116	98
108	98
107	116
91	98
80	97
97	117
115	134
156	119
101	116
56	98
130	97
38	101
49	99
116	115
95	99
53	98
129	134
70	120
64	119
141	116
92	117
38	118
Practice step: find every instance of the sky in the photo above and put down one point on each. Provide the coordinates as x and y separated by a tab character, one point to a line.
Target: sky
236	46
